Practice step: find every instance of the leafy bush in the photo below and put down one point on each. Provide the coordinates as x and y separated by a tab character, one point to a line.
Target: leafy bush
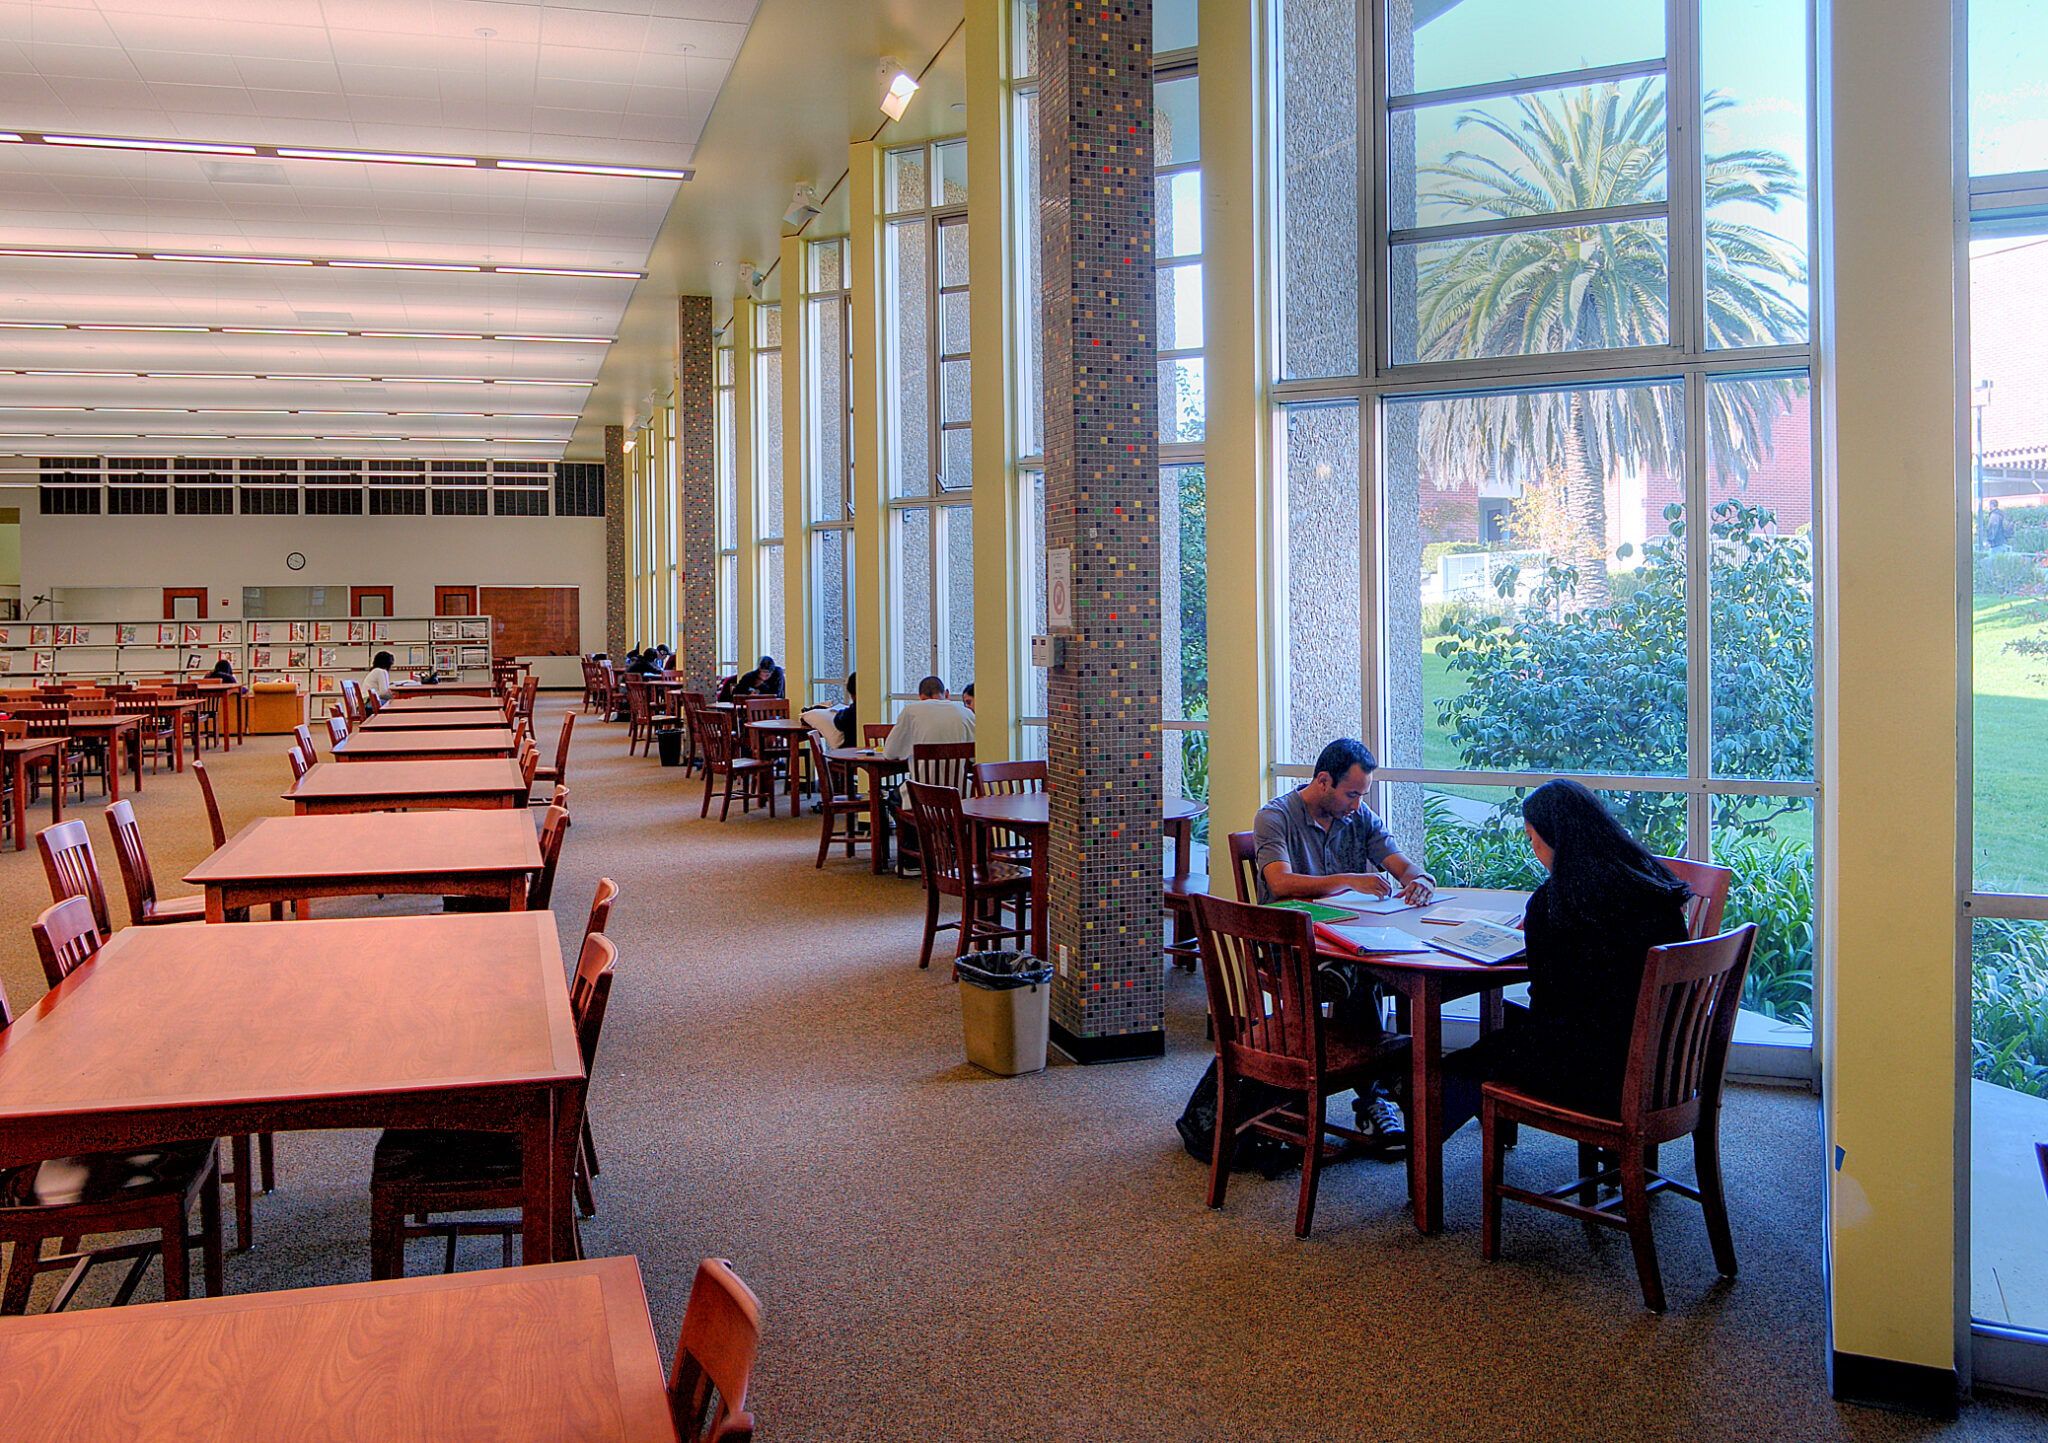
1443	618
1773	888
2009	1005
2006	573
1459	854
2030	537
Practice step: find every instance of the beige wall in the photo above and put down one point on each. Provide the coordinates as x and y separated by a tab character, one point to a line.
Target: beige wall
410	554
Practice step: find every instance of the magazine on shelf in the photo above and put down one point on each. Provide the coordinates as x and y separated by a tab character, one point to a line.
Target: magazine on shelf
1479	942
6	636
259	658
358	632
476	656
295	658
124	635
1376	941
329	657
46	662
475	628
259	633
39	636
167	634
66	635
444	631
228	636
380	631
324	683
323	631
295	631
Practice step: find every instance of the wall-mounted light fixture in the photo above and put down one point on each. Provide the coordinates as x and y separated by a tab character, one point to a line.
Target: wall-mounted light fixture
803	204
901	85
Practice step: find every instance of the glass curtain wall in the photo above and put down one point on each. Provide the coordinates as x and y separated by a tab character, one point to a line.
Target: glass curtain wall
1545	493
768	478
828	468
1183	490
651	533
728	500
2004	494
928	372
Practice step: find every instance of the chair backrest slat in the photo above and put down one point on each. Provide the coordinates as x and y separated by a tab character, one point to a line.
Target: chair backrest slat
1244	865
1259	965
942	764
830	781
873	734
297	759
996	779
1685	1017
73	872
66	937
1709	886
948	855
562	747
601	908
213	820
136	878
552	828
707	1386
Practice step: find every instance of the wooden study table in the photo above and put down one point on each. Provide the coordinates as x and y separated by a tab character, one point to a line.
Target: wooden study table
425	746
444	688
529	1356
112	732
1030	813
449	854
181	714
192	1032
879	769
418	701
330	790
18	755
786	735
434	719
1422	982
217	695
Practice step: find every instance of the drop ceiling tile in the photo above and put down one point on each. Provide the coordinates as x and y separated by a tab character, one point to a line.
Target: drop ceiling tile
515	24
81	61
668	101
272	74
611	30
45	24
301	105
189	67
608	95
410	82
711	39
574	62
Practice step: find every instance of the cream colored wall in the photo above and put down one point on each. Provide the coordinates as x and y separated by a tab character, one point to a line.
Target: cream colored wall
1890	990
870	520
410	554
796	449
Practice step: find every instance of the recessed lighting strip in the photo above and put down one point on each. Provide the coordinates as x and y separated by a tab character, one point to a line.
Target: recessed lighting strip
271	440
283	376
139	327
359	157
293	411
219	259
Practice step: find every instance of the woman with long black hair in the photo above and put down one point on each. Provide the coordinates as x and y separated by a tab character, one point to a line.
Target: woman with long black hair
1589	929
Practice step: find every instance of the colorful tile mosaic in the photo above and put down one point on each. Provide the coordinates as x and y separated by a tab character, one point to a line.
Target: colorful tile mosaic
1102	503
615	579
697	498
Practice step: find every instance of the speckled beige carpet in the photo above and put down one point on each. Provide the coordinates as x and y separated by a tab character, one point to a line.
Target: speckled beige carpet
943	1254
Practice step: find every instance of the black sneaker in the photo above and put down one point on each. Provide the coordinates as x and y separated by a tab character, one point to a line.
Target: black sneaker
1381	1122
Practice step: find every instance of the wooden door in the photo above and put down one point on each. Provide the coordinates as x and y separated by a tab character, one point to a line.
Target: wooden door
184	603
455	601
373	601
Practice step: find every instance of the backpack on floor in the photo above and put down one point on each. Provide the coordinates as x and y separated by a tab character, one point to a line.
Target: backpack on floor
1254	1151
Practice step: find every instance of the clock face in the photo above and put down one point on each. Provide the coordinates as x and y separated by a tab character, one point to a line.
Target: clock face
296	561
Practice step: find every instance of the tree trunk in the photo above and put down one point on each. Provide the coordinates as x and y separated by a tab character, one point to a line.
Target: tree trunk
1586	505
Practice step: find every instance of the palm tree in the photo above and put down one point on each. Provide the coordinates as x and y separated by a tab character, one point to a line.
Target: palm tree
1594	287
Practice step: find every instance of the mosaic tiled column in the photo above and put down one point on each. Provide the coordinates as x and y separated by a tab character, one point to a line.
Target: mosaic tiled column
1102	507
697	493
615	578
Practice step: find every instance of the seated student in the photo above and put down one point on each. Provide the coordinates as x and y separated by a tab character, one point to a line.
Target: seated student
378	682
223	670
967	696
764	680
1590	927
931	720
1321	838
839	728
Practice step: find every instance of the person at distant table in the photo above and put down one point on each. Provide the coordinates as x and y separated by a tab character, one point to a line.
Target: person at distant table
967	696
839	728
378	682
934	719
1321	838
764	680
1589	927
223	670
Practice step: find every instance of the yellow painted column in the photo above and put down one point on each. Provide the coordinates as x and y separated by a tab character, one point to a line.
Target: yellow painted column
1236	324
747	603
796	452
994	192
870	521
1890	436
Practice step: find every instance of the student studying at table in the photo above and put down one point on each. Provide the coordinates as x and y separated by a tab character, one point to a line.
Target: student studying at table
378	680
1589	928
1321	838
840	728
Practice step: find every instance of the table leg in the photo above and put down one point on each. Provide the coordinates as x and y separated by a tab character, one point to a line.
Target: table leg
216	905
178	745
515	893
1426	1105
878	837
1182	830
59	765
17	769
536	1163
1041	844
135	754
114	763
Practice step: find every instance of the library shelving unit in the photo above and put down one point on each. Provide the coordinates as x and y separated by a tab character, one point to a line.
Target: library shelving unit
315	652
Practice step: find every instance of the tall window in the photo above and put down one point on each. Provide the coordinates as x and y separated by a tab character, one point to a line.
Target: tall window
1183	490
928	379
828	468
1545	496
2005	492
728	508
768	625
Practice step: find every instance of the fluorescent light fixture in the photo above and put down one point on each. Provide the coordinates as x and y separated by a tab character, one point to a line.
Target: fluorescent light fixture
376	157
84	373
78	255
322	378
422	336
557	167
402	266
39	326
236	260
112	142
238	411
566	271
523	381
153	330
8	135
901	88
187	376
565	340
270	331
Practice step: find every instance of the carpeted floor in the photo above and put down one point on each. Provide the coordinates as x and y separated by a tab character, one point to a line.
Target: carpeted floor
943	1254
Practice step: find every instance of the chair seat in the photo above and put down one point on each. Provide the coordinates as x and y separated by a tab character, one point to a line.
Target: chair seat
445	1159
104	1177
177	909
1177	890
1566	1121
547	774
1001	873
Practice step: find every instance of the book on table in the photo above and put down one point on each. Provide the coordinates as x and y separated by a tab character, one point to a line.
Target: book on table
1453	916
1368	941
1377	906
1479	942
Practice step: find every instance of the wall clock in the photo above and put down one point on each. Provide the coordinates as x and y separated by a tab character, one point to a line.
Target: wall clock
296	561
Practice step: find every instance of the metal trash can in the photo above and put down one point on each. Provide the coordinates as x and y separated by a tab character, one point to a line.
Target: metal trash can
1004	1002
670	743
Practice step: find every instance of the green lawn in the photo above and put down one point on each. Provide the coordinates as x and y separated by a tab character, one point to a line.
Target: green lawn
2011	746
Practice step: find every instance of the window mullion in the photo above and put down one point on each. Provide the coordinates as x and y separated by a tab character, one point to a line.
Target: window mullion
1699	695
1684	167
1374	346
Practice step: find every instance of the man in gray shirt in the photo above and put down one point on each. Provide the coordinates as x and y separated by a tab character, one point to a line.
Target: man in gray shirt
1320	839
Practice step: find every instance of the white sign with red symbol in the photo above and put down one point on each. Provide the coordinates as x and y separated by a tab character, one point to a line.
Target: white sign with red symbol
1059	589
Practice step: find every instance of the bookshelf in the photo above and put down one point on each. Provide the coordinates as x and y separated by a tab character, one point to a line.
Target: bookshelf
315	652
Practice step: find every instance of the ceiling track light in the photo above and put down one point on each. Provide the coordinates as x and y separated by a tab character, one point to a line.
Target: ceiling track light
359	157
803	205
898	86
216	258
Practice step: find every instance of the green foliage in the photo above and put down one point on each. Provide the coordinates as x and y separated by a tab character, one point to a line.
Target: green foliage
2006	573
1459	854
1604	690
1773	888
1443	618
2030	537
2009	1005
1194	589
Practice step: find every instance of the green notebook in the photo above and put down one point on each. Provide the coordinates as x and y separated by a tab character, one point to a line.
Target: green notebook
1318	911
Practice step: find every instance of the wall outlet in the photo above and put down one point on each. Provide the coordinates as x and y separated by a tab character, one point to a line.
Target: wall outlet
1066	962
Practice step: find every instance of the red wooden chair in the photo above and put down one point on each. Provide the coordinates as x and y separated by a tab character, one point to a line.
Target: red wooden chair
707	1386
220	831
145	908
553	827
66	937
937	764
150	1190
952	869
559	772
1709	885
303	735
337	728
1685	1016
600	918
297	759
73	871
1260	966
842	811
419	1172
1002	779
692	705
723	758
873	734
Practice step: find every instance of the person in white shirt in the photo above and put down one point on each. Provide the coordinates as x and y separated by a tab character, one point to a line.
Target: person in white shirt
933	719
378	682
